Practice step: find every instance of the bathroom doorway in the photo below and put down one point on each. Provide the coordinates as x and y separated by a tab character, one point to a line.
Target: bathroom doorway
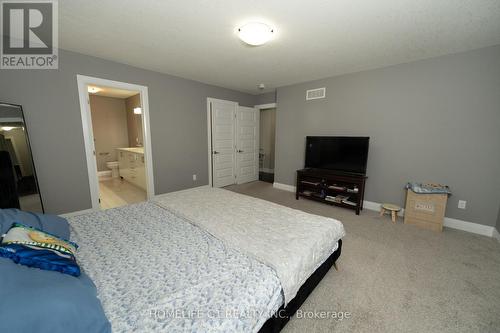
117	142
267	141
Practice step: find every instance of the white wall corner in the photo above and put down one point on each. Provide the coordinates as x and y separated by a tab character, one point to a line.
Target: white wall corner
496	234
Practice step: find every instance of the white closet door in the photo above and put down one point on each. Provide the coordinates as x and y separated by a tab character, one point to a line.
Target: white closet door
223	143
247	144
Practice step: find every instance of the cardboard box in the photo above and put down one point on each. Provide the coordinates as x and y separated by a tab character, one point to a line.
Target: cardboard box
425	210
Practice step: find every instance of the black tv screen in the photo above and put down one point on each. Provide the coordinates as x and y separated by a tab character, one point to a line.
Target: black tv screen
340	153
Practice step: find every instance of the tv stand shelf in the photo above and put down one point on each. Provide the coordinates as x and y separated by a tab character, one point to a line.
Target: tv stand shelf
335	188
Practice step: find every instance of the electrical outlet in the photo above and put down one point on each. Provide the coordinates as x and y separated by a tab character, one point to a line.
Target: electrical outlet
462	204
194	177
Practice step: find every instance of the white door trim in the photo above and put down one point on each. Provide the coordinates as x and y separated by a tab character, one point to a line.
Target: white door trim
265	106
83	81
209	140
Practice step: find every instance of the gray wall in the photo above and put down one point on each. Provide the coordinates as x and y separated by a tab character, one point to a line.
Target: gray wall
433	120
134	121
266	98
52	111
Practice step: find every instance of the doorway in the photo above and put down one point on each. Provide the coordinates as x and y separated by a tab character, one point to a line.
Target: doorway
233	143
115	117
267	135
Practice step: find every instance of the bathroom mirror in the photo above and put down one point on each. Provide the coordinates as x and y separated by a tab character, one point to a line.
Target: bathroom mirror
18	182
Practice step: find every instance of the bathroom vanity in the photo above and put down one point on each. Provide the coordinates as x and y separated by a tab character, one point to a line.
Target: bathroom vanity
131	166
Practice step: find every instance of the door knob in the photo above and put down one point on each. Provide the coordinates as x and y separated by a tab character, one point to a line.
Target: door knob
215	152
240	151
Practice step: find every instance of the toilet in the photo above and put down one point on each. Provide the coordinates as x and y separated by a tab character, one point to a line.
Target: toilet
114	168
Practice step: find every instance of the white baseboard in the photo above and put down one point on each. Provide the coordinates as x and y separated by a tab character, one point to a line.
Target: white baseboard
449	222
496	234
376	207
475	228
80	212
284	187
159	196
90	210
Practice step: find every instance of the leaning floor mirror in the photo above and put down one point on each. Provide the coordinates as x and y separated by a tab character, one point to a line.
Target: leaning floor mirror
18	182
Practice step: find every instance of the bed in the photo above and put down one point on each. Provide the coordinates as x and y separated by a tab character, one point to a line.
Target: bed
168	265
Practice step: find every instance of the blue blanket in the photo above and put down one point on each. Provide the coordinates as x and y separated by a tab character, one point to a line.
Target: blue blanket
34	300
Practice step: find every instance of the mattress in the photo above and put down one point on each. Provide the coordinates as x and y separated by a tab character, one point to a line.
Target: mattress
292	242
155	271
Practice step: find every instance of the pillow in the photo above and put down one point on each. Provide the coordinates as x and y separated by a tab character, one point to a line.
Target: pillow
34	248
49	223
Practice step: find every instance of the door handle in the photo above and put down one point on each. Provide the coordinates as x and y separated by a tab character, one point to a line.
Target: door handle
240	151
216	152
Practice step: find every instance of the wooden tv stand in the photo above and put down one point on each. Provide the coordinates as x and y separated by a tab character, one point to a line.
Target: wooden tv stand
328	186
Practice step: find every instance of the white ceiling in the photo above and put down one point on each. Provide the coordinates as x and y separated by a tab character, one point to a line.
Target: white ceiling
196	39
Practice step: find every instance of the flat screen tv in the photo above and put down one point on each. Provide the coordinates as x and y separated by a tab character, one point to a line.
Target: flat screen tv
339	153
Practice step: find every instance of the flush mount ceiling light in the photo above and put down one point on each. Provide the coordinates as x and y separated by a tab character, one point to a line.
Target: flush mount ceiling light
255	33
137	111
7	128
93	90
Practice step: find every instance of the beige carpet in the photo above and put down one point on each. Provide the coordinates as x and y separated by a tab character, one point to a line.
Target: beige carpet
398	278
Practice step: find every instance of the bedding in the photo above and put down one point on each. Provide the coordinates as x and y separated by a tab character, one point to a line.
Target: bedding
49	223
34	248
155	271
292	242
35	300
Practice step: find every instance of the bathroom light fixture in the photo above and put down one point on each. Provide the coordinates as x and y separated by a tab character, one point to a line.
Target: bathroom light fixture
255	33
93	90
137	111
7	128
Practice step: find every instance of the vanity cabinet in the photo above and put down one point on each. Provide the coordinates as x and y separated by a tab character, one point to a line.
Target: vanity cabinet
131	166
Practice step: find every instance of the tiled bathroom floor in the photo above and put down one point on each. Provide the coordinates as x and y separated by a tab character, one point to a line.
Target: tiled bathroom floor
116	192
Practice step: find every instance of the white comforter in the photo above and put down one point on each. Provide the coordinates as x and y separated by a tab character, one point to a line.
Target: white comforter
292	242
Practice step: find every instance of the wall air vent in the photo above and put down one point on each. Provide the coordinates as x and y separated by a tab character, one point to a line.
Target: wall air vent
315	93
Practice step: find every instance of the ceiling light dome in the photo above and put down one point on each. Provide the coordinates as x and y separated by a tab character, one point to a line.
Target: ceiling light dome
255	33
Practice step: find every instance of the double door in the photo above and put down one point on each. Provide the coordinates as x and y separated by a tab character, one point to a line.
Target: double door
234	146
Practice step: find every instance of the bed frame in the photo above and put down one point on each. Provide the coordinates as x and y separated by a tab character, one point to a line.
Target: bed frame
283	315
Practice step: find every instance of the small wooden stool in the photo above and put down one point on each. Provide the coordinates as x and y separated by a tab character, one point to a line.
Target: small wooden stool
393	209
